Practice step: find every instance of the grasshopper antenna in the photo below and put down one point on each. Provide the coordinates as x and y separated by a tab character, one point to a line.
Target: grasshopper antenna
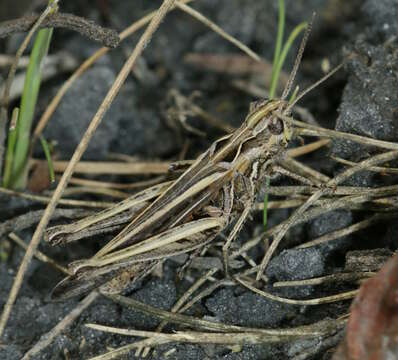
320	81
297	62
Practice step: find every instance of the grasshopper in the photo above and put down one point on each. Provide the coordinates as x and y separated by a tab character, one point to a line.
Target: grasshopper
218	189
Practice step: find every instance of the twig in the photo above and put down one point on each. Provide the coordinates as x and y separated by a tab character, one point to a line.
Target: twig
125	71
68	320
107	37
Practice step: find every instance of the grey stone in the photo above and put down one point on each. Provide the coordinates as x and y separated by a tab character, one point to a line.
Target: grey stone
76	110
247	309
297	264
158	293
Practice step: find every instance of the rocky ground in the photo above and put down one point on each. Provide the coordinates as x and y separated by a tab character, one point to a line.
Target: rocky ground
362	99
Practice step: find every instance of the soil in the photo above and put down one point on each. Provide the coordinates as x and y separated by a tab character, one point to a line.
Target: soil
361	99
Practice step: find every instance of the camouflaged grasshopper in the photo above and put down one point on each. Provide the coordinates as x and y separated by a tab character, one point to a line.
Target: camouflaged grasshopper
184	215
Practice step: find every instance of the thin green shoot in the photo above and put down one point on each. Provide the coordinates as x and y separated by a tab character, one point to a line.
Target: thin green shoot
278	46
47	153
28	103
11	139
278	61
277	69
265	212
294	94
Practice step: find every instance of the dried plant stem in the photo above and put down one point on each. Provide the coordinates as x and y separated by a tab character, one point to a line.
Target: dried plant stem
112	185
25	221
195	337
379	169
304	129
125	71
380	205
205	324
342	203
339	278
330	205
256	337
69	202
48	338
97	191
314	176
323	300
108	167
308	148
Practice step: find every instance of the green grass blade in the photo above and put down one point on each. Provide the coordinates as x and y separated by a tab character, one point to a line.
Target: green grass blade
278	47
294	95
293	35
47	154
28	104
265	211
11	139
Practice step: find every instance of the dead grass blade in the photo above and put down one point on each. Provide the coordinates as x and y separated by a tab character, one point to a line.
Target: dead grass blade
108	167
69	202
323	300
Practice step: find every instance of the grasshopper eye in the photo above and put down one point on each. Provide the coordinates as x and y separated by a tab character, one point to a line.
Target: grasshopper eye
276	126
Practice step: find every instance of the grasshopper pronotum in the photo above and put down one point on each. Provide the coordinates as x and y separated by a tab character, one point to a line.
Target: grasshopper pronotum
186	214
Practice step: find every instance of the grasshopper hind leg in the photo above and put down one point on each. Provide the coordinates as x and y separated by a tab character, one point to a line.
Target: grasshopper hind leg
247	200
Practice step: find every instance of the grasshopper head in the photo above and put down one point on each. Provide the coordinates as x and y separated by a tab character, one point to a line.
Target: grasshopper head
265	120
